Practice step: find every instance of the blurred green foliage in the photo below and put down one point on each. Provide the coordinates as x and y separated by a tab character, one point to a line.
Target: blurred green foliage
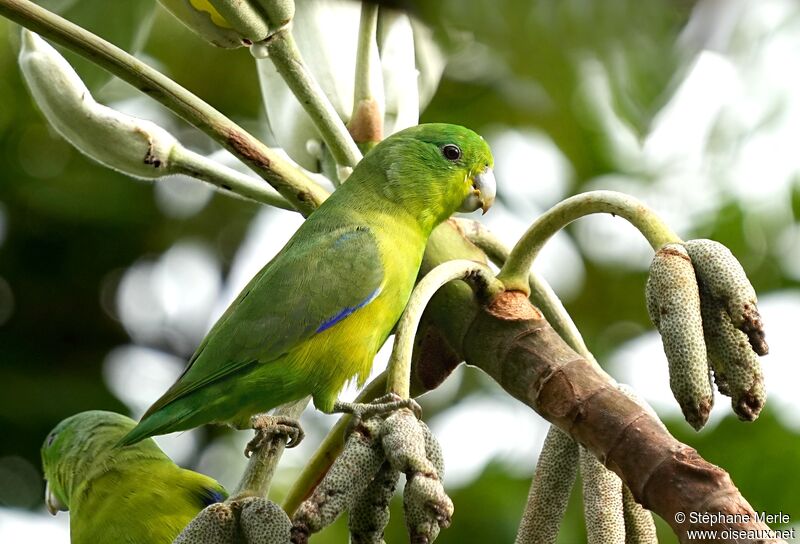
73	226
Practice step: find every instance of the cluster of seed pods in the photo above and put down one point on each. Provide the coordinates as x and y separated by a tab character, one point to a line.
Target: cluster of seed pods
700	300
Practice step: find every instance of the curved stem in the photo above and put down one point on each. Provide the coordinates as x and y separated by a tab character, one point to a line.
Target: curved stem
541	293
514	273
328	450
289	181
283	52
261	467
482	281
189	163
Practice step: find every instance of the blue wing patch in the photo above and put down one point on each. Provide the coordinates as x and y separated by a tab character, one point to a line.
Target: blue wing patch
212	496
328	323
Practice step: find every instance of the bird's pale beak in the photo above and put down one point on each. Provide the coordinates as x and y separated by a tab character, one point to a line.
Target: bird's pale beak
51	501
484	189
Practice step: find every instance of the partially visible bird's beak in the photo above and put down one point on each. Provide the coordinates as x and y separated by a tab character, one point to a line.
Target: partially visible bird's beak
51	501
484	189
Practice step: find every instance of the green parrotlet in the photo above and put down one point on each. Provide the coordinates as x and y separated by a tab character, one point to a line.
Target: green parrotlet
315	316
133	494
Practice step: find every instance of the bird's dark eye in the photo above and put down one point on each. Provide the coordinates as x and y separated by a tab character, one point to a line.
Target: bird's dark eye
451	152
50	438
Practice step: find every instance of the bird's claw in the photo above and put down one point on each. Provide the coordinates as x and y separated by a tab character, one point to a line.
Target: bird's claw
380	406
267	427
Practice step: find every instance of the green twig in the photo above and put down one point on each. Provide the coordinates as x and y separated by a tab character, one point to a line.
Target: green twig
328	450
261	467
289	181
283	52
184	161
366	122
514	273
478	275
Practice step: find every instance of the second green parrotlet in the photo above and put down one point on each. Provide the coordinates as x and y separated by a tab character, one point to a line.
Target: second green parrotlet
315	316
134	494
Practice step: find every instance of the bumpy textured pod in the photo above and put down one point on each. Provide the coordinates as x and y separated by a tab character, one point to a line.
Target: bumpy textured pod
261	521
133	146
722	278
734	333
737	370
602	501
370	514
427	506
639	525
673	302
346	480
203	19
550	489
252	520
216	524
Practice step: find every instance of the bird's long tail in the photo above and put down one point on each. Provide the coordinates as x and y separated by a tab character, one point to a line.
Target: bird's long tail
160	422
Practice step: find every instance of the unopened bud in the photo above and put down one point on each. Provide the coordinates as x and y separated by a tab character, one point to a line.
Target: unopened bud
203	19
133	146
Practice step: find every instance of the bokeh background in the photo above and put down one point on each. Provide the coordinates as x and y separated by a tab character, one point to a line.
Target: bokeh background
107	284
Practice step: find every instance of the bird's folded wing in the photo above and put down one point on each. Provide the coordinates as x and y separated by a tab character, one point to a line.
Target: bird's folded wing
309	287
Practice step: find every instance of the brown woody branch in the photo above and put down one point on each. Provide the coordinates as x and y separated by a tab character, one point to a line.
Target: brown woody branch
511	341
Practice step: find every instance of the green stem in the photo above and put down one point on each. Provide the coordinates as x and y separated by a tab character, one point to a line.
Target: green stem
366	121
289	181
515	272
283	52
189	163
478	275
328	450
261	467
367	31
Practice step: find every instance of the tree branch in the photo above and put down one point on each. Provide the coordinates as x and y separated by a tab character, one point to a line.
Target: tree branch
287	179
510	340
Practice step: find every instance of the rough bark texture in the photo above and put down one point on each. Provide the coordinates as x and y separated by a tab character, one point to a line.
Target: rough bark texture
510	340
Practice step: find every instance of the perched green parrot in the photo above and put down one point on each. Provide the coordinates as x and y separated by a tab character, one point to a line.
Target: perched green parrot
135	494
315	316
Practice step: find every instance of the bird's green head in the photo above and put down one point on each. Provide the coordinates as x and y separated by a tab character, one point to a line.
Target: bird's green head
436	169
78	447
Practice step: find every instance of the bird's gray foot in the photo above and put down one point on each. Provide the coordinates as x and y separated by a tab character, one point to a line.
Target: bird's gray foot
380	406
267	426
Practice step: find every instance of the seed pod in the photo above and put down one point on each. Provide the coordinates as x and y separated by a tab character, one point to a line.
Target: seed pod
370	513
346	480
639	525
550	489
602	501
216	524
261	521
673	302
203	19
427	506
721	276
133	146
737	370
